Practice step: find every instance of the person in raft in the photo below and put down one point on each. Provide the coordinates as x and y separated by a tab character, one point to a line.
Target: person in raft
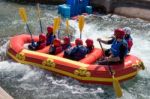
76	53
66	43
56	47
89	45
118	50
40	44
49	36
128	37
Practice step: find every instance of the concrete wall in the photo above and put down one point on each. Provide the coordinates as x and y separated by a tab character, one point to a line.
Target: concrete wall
110	5
129	8
132	8
104	5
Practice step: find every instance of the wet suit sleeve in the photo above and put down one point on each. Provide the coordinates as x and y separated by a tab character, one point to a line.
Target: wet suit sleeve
110	41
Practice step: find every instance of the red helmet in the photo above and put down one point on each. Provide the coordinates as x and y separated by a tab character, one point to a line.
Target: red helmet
57	42
66	40
78	41
42	37
50	29
89	42
119	33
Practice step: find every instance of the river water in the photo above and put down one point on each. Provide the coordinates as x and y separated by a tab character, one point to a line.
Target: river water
27	82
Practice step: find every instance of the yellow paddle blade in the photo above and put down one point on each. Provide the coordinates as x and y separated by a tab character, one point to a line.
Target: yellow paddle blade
55	25
67	25
23	15
81	22
38	10
117	87
58	23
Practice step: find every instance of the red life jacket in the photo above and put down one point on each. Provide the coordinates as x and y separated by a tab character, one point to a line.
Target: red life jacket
130	44
89	48
65	46
55	50
41	45
58	49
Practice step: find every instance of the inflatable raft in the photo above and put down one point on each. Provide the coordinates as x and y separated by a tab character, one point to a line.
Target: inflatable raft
84	70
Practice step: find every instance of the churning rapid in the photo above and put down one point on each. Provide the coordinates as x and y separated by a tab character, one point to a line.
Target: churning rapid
27	82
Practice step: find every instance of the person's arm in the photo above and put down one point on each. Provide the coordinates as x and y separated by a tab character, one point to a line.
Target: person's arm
105	41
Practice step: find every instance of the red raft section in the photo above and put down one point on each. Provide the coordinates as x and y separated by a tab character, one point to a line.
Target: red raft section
84	70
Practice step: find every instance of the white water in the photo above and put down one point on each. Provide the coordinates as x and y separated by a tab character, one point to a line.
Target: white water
26	82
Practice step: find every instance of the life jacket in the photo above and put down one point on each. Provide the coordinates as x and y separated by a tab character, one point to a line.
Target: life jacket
37	45
49	39
41	45
129	42
55	50
78	52
115	48
66	46
89	48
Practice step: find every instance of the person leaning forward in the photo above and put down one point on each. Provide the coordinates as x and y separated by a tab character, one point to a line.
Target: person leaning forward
118	50
76	53
40	44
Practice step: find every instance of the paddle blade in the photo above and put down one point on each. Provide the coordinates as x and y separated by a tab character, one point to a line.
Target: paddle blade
55	25
117	87
81	23
67	25
23	15
58	23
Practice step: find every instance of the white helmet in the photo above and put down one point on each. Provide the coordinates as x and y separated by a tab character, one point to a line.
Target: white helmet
127	30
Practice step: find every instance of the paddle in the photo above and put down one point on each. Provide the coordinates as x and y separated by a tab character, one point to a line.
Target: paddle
116	84
23	16
38	12
81	24
67	26
56	25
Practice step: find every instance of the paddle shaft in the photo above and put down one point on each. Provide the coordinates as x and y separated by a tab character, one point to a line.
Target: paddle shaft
41	25
38	10
80	35
67	27
102	48
29	31
107	62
